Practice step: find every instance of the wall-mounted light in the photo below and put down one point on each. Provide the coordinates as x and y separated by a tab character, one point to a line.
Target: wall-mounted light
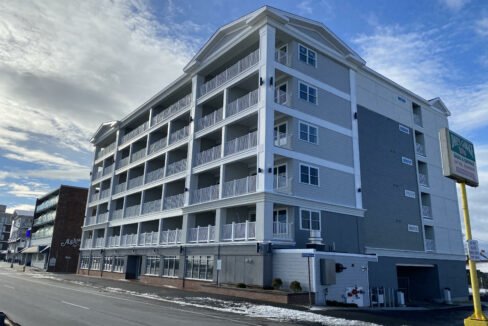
359	189
260	170
186	189
271	81
191	119
261	81
355	115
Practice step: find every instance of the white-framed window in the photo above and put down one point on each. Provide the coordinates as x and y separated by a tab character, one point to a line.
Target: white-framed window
282	54
200	267
280	176
119	264
95	263
85	262
307	55
309	220
152	265
307	93
171	266
308	132
280	134
108	263
309	175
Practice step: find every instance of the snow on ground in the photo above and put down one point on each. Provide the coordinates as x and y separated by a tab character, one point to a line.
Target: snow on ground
45	276
248	309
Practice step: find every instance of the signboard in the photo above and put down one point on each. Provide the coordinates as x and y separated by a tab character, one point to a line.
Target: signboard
28	233
306	254
458	159
219	264
474	250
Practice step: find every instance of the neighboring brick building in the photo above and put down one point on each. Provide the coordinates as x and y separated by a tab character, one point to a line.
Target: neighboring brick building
56	230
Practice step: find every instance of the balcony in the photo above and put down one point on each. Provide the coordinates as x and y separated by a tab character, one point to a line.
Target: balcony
158	145
123	162
137	131
113	241
148	239
175	201
138	155
420	149
45	219
240	66
242	103
202	234
282	97
128	240
239	187
241	143
99	242
282	139
104	151
205	194
429	245
132	211
282	231
97	175
108	169
87	243
170	237
89	220
423	180
210	119
173	108
179	134
103	217
426	211
94	197
135	182
105	193
117	214
152	206
47	204
176	167
208	155
155	175
283	58
120	187
239	231
282	184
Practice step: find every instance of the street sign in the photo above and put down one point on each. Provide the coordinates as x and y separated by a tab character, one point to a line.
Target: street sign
219	264
474	250
308	254
458	159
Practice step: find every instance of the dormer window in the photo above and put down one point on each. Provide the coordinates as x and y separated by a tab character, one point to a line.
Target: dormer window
306	55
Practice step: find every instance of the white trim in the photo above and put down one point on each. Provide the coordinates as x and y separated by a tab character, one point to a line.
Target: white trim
324	253
397	253
309	86
308	132
415	265
355	139
310	211
307	55
309	174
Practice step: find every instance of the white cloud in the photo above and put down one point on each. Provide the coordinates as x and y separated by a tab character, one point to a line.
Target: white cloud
305	7
481	27
28	189
21	207
454	5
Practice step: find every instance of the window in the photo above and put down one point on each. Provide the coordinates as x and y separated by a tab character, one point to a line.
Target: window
308	133
280	134
409	193
308	93
279	176
119	264
95	263
171	266
413	228
152	265
309	220
404	129
309	175
108	263
200	267
306	55
85	262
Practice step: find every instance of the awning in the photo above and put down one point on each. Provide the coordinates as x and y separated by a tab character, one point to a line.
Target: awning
45	249
30	250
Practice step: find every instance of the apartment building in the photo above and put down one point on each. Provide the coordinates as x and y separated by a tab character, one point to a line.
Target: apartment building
56	230
277	140
5	225
18	240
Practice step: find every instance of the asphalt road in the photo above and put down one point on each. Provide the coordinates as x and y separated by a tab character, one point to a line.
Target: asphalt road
39	302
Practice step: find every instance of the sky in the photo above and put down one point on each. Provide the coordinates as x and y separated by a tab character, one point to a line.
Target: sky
68	66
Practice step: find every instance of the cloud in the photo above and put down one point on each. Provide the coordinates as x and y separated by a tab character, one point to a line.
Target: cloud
481	27
28	190
454	5
305	7
22	207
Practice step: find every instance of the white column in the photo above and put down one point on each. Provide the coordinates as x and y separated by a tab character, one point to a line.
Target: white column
355	140
219	215
264	221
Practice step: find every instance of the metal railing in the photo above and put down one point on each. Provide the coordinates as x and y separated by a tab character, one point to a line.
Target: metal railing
174	201
242	103
99	242
132	210
210	119
152	206
429	245
202	234
128	240
158	145
120	187
239	231
87	243
176	167
283	57
105	193
282	139
179	134
123	162
426	211
117	214
239	186
138	155
97	175
135	132
104	151
234	70
205	194
423	180
148	238
45	218
94	197
135	182
155	175
89	220
103	217
282	97
241	143
170	110
108	169
113	241
170	236
47	204
282	231
208	155
420	149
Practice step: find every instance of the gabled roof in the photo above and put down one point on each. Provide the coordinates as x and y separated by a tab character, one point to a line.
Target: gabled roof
104	128
439	104
232	30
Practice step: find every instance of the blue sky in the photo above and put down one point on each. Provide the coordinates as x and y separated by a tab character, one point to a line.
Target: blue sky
67	66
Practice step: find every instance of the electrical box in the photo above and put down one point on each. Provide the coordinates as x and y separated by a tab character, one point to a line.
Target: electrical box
327	271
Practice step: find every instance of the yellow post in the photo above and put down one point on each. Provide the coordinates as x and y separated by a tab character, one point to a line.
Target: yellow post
477	318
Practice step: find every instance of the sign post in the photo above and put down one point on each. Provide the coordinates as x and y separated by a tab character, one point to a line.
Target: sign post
459	163
309	255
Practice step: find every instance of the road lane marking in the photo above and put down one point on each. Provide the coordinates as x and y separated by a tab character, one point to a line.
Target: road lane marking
75	305
9	287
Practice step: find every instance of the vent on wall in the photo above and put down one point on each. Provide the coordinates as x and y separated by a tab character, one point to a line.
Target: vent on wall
409	193
402	99
413	228
404	129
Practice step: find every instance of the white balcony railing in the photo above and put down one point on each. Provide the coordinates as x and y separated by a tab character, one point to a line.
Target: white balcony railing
158	145
97	175
179	134
104	193
135	182
108	169
423	180
282	139
174	201
104	151
135	132
148	239
208	155
170	237
202	234
155	175
283	231
89	220
99	242
132	210
123	162
94	197
120	187
241	143
234	70
176	167
239	186
426	211
210	119
239	231
128	240
117	214
429	245
282	184
242	103
138	155
282	97
170	110
205	194
113	241
87	243
420	149
102	217
283	57
152	206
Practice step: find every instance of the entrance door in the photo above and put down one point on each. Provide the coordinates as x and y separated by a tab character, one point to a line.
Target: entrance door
134	264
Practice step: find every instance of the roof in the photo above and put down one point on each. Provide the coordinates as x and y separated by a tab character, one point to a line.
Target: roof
19	212
439	104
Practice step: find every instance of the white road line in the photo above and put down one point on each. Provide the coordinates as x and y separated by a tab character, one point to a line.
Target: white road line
72	304
9	287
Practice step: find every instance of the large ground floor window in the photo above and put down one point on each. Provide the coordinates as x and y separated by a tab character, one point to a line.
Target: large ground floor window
95	263
108	263
119	264
84	262
200	267
152	265
171	266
